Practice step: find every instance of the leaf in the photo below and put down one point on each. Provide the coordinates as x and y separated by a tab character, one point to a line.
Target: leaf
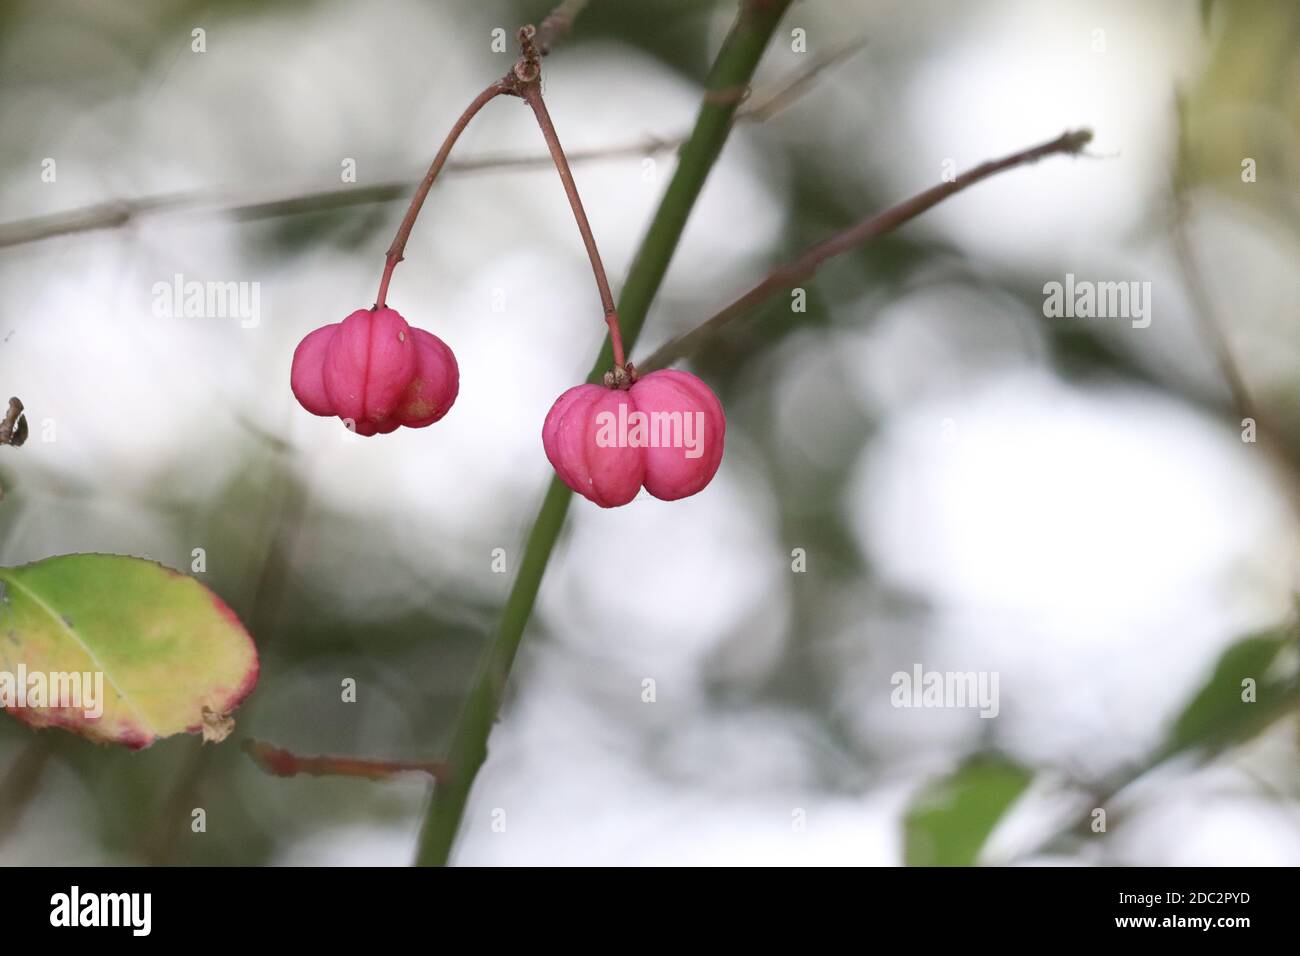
173	657
954	816
1217	713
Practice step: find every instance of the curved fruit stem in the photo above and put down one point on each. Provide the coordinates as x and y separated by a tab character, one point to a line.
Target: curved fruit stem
531	91
396	250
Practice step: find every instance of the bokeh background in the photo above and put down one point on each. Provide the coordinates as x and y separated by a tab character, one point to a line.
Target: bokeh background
1067	503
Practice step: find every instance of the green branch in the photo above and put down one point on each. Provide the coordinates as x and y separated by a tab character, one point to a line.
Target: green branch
726	86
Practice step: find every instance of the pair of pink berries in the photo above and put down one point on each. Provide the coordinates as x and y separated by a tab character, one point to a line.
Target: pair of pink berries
663	432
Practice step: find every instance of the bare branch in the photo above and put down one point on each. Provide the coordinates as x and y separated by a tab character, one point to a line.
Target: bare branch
557	24
765	107
122	212
792	273
283	763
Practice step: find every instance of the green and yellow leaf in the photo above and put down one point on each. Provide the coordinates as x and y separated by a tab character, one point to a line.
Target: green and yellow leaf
173	657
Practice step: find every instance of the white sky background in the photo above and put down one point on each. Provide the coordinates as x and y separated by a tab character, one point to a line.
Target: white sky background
1097	547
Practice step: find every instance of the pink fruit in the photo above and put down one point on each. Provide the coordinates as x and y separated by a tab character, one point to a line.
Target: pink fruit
665	433
375	373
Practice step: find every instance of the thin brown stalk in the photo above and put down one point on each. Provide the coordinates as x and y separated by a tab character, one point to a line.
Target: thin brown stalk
284	763
398	248
532	94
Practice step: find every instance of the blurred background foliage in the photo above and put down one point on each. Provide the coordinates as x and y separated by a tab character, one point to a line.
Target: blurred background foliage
374	562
